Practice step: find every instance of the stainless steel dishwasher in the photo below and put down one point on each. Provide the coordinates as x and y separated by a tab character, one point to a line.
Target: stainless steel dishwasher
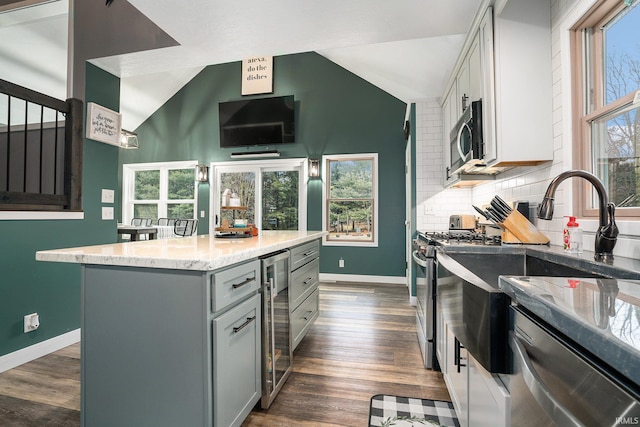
276	332
555	383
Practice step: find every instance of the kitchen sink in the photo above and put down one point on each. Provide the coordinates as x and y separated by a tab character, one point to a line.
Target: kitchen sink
489	267
476	310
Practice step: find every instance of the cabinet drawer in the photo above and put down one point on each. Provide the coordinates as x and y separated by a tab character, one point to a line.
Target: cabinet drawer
304	281
300	255
234	283
237	367
303	317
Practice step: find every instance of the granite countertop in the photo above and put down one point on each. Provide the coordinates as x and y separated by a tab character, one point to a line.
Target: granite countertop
602	315
201	253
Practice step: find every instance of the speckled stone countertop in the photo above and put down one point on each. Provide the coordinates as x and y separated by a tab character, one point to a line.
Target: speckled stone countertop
602	315
202	253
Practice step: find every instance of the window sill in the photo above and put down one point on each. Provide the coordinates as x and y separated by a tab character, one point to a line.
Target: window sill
352	243
39	215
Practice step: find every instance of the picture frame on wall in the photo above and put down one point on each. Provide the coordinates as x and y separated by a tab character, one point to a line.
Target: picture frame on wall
257	75
103	124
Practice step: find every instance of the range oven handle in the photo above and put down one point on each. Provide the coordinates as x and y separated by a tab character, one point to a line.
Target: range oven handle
421	262
554	409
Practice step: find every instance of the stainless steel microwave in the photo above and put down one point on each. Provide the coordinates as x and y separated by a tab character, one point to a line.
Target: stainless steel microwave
465	143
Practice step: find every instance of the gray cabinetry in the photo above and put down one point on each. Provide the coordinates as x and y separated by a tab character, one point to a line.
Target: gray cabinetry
169	347
304	295
236	364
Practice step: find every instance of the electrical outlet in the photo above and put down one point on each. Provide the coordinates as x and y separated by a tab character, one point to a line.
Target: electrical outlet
31	322
202	214
341	263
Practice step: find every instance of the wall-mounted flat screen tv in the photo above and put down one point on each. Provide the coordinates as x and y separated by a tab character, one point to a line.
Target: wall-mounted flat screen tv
257	122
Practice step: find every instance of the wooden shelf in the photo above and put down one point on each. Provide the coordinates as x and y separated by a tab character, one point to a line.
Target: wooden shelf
233	208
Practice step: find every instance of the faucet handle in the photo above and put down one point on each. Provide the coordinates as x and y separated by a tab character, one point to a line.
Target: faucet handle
611	229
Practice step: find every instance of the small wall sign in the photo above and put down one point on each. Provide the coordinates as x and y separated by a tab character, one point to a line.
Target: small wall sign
103	125
257	75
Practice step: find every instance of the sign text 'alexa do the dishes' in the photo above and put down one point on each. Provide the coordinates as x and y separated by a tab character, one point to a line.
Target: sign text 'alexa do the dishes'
257	75
103	125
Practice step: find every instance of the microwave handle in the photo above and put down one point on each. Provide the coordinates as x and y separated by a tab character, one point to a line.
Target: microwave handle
459	145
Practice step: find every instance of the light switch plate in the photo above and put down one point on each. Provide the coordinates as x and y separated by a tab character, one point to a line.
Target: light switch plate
107	212
107	195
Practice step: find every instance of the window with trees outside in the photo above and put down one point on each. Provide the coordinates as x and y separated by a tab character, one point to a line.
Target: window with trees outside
350	199
159	190
606	79
272	193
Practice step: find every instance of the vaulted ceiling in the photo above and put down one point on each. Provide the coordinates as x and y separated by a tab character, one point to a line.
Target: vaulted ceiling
406	47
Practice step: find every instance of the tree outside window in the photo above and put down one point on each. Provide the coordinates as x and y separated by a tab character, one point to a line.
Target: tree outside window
350	202
159	190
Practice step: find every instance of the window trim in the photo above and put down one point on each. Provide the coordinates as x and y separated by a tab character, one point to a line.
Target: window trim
128	184
258	166
585	111
325	198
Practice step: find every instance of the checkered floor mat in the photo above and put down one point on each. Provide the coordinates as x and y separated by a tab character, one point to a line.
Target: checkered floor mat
409	412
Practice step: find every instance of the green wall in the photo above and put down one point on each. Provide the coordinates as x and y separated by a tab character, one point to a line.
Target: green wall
53	289
337	113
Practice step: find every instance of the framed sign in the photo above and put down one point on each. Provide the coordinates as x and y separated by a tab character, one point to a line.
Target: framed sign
257	75
103	125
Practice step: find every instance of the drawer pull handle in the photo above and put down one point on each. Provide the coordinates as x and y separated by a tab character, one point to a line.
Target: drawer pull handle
308	280
244	325
306	254
308	314
246	282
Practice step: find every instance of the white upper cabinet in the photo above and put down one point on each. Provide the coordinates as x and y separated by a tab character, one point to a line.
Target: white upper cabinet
522	80
506	62
474	65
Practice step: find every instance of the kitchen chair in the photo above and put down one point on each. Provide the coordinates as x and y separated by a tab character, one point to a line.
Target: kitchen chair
141	222
166	221
185	227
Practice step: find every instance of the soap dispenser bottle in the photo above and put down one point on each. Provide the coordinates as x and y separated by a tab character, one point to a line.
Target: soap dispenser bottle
572	236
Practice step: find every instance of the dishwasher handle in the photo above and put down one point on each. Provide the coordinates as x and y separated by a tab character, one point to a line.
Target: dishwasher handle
554	409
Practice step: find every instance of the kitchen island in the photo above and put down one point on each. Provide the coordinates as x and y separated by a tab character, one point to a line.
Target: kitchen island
171	328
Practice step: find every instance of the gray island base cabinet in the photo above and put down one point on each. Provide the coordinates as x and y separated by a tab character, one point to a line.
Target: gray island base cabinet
171	328
154	353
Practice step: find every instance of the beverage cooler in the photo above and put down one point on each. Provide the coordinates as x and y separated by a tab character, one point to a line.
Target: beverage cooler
277	351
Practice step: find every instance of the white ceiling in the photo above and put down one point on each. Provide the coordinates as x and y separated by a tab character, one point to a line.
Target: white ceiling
406	47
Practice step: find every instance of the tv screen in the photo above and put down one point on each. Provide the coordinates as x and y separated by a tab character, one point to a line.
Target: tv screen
261	121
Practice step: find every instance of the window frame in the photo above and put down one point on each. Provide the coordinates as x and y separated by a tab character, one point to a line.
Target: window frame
259	166
128	186
589	98
325	198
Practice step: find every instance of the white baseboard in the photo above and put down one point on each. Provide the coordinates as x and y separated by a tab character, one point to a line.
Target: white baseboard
328	277
27	354
413	301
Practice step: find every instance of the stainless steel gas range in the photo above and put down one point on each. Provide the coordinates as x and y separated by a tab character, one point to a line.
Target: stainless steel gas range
424	258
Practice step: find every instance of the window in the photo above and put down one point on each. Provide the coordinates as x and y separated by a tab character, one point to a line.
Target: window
273	192
606	78
159	190
350	196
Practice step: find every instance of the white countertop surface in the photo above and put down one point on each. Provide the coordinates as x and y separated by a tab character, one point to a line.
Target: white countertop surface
200	253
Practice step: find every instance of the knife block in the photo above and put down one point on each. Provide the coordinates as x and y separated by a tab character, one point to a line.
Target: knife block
523	230
508	238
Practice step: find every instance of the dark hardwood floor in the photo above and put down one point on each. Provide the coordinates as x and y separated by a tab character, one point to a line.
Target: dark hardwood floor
364	343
